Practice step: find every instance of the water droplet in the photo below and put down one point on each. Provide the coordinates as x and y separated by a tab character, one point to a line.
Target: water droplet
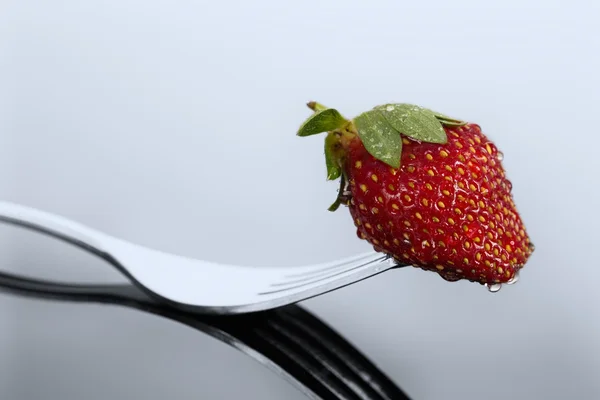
494	287
406	241
391	261
514	279
509	185
346	187
500	156
395	263
531	247
389	108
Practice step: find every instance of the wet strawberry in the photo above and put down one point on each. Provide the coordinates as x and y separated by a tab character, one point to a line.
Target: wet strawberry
427	189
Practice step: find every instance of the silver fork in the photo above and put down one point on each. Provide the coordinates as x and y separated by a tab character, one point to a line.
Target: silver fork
198	285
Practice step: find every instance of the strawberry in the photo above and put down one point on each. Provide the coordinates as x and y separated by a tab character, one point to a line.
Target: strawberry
426	189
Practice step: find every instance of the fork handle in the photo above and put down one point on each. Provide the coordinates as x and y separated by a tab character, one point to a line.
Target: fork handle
55	226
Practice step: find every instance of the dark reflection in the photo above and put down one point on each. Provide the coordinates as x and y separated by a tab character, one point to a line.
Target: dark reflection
290	340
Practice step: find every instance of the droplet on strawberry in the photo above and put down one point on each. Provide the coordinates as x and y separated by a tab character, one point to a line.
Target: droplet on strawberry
427	189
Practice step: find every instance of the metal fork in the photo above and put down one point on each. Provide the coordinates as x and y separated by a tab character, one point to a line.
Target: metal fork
202	286
289	340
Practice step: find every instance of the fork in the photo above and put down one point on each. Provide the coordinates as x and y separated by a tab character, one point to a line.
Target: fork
291	341
198	285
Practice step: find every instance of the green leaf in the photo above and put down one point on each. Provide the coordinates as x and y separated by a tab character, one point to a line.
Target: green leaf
414	121
451	122
333	168
446	120
380	139
322	121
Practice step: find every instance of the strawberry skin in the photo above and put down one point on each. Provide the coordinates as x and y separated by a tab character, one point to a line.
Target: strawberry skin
427	189
447	209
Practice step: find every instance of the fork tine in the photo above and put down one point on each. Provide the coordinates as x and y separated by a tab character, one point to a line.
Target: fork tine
327	272
336	346
336	264
301	358
316	350
349	268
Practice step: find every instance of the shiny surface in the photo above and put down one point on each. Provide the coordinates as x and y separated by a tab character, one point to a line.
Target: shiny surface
290	341
113	110
199	285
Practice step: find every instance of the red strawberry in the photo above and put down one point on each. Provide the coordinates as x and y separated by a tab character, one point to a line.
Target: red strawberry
427	189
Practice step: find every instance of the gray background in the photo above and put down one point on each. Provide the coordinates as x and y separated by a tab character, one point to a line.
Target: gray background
172	125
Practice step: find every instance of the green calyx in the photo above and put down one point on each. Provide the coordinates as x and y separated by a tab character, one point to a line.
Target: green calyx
323	120
329	120
379	129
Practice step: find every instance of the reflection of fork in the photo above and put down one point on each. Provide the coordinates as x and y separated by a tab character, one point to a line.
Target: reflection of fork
202	286
289	340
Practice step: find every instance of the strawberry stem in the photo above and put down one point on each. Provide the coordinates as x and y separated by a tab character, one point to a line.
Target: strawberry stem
342	197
